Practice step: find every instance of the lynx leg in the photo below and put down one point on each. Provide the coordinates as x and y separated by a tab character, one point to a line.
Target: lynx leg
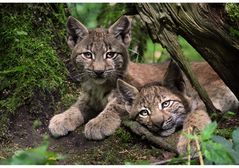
69	120
61	124
194	123
105	123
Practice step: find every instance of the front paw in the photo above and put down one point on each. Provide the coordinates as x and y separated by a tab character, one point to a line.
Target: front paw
60	126
101	127
184	144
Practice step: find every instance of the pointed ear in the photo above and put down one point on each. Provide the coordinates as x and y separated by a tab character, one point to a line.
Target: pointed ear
76	31
173	78
121	29
127	91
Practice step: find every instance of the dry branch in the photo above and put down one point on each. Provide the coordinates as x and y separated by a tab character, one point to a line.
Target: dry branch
207	27
175	161
140	130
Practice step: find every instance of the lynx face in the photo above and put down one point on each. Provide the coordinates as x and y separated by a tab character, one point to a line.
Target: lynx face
160	110
160	107
99	54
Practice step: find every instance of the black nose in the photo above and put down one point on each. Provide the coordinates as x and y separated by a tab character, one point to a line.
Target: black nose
99	73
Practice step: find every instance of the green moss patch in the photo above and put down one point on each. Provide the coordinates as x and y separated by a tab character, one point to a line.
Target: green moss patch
233	10
29	61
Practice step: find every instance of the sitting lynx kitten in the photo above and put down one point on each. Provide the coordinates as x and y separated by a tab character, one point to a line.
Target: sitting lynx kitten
101	57
164	107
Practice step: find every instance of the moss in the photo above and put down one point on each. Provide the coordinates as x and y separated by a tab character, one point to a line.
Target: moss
123	135
234	32
29	59
225	132
4	120
233	10
67	100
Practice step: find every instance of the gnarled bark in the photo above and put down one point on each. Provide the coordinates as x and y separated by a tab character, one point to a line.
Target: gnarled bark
206	28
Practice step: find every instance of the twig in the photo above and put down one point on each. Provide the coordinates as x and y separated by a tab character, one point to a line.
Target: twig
163	162
141	131
199	152
190	129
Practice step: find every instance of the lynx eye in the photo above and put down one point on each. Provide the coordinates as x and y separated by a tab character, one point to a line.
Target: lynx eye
110	55
144	112
166	104
87	55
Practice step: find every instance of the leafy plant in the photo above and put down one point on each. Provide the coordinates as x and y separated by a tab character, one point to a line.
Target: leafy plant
35	156
217	149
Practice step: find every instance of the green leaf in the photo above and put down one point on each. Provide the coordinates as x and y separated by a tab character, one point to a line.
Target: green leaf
208	131
231	113
235	139
221	140
207	162
235	155
216	153
228	147
35	156
13	70
22	33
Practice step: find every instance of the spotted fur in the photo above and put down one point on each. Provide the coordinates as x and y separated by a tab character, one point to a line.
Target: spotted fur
173	104
100	57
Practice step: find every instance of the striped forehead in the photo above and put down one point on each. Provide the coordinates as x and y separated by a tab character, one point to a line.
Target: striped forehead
98	34
152	94
98	41
98	46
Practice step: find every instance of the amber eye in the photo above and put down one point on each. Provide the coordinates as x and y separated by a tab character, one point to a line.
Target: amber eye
87	55
166	104
110	55
144	112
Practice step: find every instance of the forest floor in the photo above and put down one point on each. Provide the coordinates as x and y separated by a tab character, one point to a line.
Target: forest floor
123	147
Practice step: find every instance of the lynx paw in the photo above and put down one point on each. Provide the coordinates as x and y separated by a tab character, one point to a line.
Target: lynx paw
182	147
101	127
60	125
183	144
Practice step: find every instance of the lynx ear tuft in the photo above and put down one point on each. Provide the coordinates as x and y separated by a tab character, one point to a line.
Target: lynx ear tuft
76	31
127	91
122	30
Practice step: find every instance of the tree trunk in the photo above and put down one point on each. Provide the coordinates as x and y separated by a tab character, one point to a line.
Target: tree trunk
31	73
206	27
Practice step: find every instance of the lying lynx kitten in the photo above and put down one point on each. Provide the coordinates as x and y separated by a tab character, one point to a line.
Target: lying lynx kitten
100	57
164	107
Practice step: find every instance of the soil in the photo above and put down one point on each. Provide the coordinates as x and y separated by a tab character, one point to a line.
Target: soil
120	148
123	147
